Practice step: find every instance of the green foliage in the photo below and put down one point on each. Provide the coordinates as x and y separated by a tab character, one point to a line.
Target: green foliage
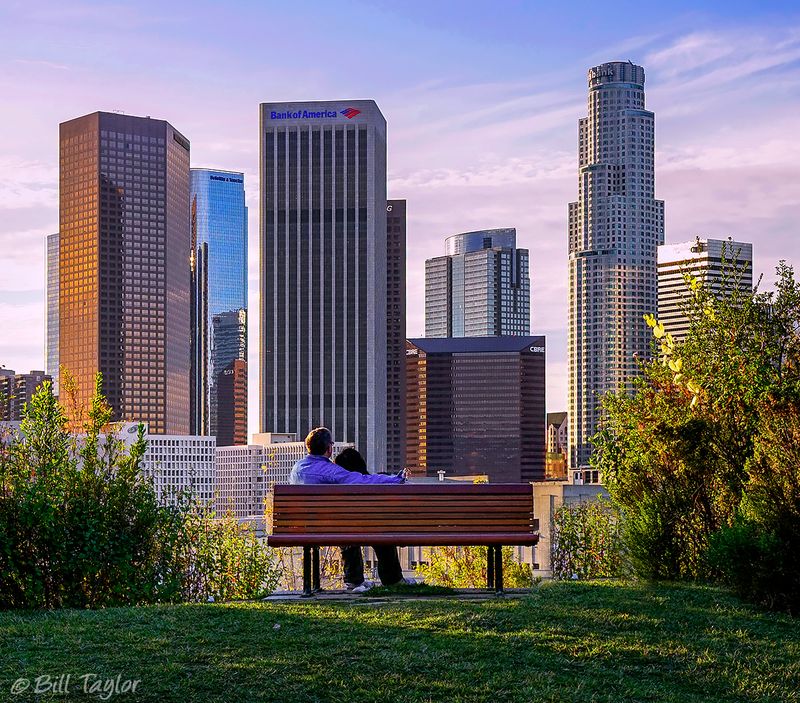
585	541
699	447
81	527
221	558
465	567
759	555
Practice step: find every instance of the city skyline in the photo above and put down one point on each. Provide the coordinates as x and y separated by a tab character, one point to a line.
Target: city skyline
466	150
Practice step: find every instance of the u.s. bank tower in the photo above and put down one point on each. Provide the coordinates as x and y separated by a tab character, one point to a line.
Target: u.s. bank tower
323	264
615	227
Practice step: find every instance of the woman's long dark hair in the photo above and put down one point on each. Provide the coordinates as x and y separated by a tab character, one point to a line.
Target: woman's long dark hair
351	460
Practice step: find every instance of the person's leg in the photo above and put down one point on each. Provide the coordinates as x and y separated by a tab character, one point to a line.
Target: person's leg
389	569
353	564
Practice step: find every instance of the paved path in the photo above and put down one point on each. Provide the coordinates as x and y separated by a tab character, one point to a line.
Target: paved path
460	594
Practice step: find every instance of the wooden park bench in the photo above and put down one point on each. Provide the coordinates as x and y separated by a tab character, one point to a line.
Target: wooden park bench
404	515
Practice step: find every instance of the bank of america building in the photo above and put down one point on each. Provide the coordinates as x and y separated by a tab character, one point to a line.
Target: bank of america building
323	271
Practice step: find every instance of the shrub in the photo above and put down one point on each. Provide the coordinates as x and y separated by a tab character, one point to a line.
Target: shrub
81	527
221	558
585	541
759	555
465	567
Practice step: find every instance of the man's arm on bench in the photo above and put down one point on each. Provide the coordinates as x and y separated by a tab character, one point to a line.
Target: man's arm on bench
330	473
341	475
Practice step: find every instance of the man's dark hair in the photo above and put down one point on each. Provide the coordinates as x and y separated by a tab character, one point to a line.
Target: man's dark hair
318	440
352	460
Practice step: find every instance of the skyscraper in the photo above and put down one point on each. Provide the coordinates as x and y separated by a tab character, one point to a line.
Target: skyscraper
396	334
228	344
16	390
703	259
477	406
481	287
231	396
219	290
323	272
51	319
615	228
124	265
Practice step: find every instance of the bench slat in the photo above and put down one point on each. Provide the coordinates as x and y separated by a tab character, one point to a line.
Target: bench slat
434	523
327	501
403	510
422	539
481	489
388	519
379	519
367	535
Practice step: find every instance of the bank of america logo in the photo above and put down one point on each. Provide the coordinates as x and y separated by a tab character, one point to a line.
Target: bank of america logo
351	112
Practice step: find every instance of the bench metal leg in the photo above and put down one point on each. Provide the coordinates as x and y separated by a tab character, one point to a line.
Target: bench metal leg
315	579
498	569
307	572
490	567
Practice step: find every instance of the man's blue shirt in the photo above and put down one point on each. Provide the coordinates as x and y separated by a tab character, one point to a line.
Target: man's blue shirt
319	469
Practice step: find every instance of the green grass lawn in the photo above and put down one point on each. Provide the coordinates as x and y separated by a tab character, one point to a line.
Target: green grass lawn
565	642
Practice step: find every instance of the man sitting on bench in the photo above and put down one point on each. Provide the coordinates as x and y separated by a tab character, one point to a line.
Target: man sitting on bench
318	468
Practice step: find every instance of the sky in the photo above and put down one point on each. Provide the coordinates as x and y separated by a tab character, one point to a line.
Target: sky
482	102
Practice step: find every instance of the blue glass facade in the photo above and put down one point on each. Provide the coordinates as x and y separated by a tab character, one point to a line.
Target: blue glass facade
219	284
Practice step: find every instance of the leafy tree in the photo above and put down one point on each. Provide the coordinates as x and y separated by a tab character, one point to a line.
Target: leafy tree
689	452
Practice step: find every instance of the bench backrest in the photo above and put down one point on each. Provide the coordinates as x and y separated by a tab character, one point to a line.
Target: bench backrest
404	510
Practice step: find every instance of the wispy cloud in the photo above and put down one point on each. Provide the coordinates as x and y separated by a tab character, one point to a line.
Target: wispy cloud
26	183
43	64
695	67
690	52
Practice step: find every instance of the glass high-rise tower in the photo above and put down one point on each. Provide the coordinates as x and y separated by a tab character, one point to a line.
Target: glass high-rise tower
124	249
323	272
219	290
51	331
480	288
615	228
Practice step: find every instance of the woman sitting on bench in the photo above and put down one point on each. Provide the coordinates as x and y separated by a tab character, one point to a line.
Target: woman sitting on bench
389	570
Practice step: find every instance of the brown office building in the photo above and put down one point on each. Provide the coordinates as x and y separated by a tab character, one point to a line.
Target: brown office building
124	265
231	384
17	390
395	334
476	405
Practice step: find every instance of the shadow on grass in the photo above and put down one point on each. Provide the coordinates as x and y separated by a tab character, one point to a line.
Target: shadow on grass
566	642
419	590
